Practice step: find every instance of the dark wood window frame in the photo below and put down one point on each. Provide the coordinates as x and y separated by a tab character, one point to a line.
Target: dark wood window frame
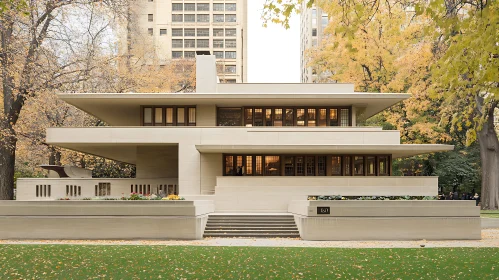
283	116
316	164
163	110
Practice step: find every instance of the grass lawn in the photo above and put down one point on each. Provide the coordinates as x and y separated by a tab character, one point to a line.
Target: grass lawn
489	213
182	262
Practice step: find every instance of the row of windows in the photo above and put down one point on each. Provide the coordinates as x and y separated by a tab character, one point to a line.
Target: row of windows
217	54
199	18
203	32
296	116
191	7
307	165
203	43
169	116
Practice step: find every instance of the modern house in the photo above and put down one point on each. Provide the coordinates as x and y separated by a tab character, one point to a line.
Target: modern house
246	147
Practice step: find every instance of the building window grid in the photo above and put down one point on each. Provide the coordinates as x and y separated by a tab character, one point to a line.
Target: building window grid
304	116
170	115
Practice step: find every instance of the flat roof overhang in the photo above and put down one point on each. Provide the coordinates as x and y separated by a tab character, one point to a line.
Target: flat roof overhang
123	109
398	151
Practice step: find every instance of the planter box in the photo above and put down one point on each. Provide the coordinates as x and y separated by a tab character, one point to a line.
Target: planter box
104	219
386	220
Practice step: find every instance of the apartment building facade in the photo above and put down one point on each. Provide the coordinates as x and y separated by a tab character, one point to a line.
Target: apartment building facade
313	22
179	28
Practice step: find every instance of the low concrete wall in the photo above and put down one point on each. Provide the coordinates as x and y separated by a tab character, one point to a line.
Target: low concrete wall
490	223
387	220
273	194
104	219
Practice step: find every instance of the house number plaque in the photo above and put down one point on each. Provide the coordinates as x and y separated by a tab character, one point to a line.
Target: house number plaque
323	210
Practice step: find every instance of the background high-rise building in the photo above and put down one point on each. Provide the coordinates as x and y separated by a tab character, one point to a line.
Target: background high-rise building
180	28
312	24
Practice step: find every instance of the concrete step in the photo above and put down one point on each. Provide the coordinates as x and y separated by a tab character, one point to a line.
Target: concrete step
266	231
254	235
251	228
251	222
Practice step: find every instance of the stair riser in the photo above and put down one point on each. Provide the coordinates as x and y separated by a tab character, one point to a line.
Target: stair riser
250	228
254	235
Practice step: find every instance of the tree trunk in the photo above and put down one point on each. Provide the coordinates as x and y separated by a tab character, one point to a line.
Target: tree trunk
7	166
489	154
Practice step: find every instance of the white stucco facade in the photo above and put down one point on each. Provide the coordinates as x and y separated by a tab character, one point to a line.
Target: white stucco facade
194	155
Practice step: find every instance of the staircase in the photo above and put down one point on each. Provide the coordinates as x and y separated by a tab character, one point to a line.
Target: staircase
259	226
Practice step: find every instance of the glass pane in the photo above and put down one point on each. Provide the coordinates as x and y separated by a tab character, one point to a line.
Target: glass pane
180	115
229	165
192	115
289	166
248	120
358	166
258	165
158	115
278	117
300	117
272	165
299	166
249	165
371	165
322	117
310	166
348	166
335	165
311	117
189	32
268	117
258	117
345	117
289	117
147	115
169	115
321	165
384	165
239	166
333	117
229	116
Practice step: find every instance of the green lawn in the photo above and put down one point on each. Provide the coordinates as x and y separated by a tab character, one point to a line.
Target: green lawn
181	262
489	213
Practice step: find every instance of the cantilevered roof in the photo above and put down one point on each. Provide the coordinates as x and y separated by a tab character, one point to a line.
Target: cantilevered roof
397	150
123	109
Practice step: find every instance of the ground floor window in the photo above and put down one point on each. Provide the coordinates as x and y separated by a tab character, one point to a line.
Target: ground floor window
307	165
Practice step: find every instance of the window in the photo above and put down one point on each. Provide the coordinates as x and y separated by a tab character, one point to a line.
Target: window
310	161
203	32
203	43
189	32
158	116
348	166
218	18
177	43
336	165
177	7
162	32
321	166
230	55
169	116
249	165
103	189
180	116
230	32
218	32
314	32
191	115
300	117
189	18
272	165
230	43
268	113
147	115
176	54
189	43
345	117
203	18
371	166
230	7
322	117
177	32
248	117
230	18
358	166
230	69
278	117
189	54
229	165
289	166
150	17
333	117
324	21
258	165
189	7
150	31
203	7
229	116
289	118
311	116
258	117
300	171
218	7
219	55
384	166
177	18
218	43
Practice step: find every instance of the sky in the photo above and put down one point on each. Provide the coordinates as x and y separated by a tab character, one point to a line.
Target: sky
273	52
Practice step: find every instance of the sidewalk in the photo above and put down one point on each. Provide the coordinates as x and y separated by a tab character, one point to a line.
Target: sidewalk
490	238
